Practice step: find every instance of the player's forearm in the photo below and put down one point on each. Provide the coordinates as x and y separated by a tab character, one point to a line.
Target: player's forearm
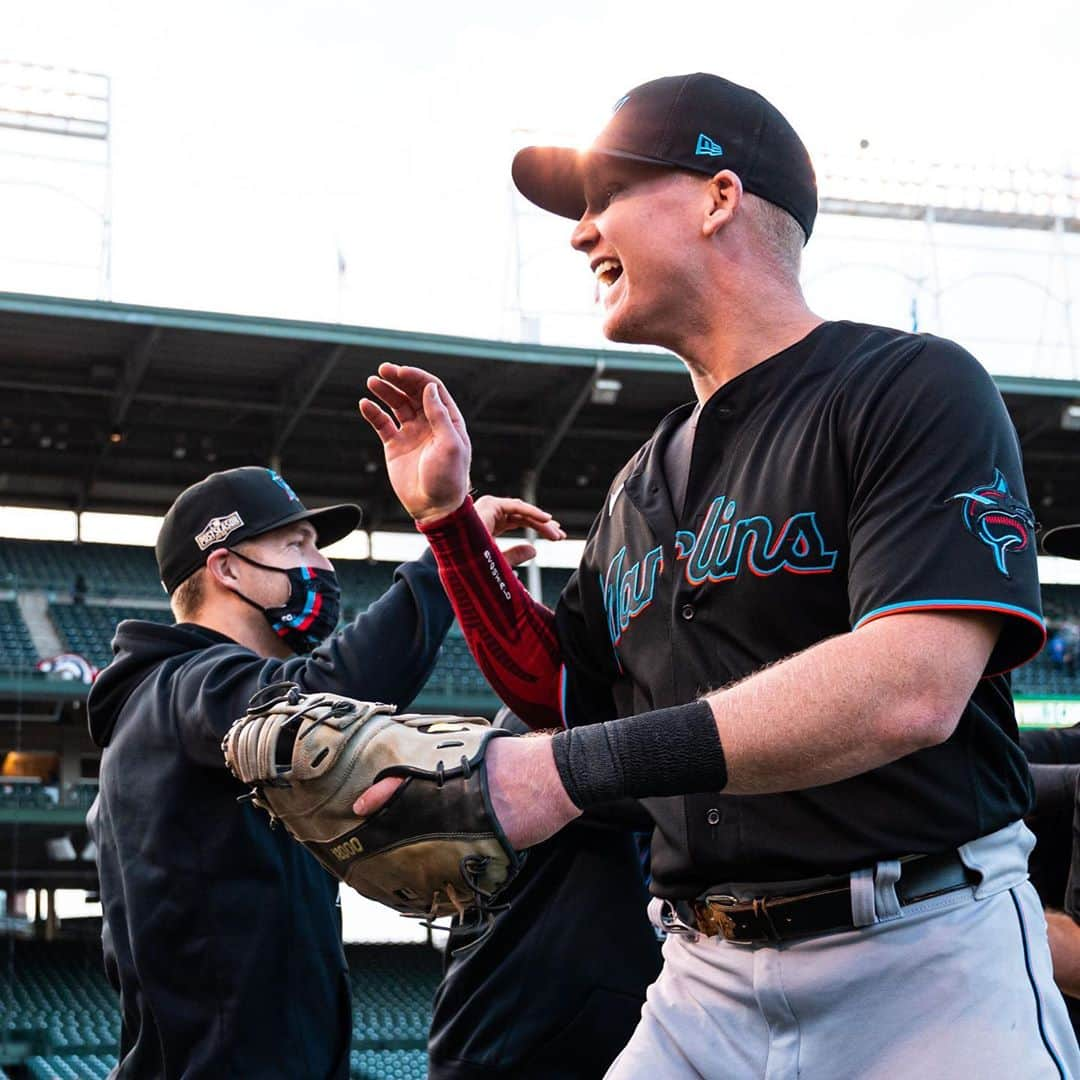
841	708
1064	936
852	703
510	635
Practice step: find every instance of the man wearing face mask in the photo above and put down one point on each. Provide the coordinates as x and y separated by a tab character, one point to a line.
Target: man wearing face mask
222	935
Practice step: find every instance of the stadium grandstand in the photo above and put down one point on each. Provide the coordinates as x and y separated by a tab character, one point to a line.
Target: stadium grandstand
113	408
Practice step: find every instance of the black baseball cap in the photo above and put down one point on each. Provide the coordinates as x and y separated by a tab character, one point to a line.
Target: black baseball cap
236	505
698	122
1063	541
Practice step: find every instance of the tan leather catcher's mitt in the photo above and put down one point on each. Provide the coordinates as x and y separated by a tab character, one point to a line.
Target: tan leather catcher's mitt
434	849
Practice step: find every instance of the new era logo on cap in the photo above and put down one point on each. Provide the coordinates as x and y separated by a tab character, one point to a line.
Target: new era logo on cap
707	148
218	529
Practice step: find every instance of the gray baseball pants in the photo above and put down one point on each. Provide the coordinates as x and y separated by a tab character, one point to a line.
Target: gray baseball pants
957	986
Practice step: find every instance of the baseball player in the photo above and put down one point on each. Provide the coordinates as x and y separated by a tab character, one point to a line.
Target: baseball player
788	634
221	935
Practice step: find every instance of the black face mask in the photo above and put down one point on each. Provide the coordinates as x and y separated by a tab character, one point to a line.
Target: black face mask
310	614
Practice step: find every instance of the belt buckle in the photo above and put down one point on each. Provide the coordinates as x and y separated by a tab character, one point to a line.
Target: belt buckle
714	920
670	923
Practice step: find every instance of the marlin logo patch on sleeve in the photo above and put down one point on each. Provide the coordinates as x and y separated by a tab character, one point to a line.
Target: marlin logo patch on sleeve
996	517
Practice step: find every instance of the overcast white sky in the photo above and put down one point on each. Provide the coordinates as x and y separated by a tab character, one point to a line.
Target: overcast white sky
254	138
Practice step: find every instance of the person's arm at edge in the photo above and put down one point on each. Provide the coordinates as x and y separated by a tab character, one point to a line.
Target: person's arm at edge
1064	936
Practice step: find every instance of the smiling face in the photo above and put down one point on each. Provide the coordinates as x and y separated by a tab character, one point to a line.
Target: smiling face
642	233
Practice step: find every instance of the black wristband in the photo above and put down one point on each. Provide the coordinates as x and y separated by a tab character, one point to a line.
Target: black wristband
672	751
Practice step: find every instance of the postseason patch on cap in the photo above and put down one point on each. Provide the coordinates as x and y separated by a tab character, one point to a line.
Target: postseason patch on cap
218	529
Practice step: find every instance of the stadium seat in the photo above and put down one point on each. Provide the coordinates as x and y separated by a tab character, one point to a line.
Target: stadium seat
88	629
26	793
106	570
388	1065
59	991
56	996
553	581
1040	678
362	582
456	671
71	1067
393	986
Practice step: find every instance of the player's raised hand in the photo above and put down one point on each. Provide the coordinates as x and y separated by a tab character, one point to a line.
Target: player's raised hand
424	439
503	515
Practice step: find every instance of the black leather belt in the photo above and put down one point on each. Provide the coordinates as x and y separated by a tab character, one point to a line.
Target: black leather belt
820	911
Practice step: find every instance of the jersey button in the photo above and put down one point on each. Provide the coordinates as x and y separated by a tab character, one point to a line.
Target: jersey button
688	611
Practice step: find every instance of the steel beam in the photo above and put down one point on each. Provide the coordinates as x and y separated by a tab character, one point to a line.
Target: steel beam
303	386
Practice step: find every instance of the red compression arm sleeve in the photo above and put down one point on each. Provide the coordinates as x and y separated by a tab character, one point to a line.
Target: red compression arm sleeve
511	635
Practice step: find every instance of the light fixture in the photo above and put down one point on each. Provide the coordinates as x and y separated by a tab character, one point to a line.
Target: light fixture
605	391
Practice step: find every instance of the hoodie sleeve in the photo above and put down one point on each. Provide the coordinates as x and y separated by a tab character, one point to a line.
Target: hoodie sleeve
386	654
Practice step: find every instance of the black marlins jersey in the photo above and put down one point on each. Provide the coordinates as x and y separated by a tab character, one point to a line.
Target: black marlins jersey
860	473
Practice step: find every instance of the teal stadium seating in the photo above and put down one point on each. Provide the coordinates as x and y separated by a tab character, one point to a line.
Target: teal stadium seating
29	793
71	1067
363	1065
1041	679
55	997
88	629
388	1065
456	672
362	582
108	570
393	986
16	646
552	583
57	993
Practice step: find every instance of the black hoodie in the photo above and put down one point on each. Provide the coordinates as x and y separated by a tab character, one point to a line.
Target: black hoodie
221	934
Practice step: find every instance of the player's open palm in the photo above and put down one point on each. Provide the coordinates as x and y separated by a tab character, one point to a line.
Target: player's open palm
424	439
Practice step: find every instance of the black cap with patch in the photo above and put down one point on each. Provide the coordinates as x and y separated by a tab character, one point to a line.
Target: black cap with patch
697	122
1063	541
236	505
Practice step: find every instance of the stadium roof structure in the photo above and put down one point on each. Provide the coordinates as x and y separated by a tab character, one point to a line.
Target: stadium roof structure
117	407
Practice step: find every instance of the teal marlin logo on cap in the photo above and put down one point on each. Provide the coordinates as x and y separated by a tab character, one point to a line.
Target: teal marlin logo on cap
707	148
620	103
283	484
